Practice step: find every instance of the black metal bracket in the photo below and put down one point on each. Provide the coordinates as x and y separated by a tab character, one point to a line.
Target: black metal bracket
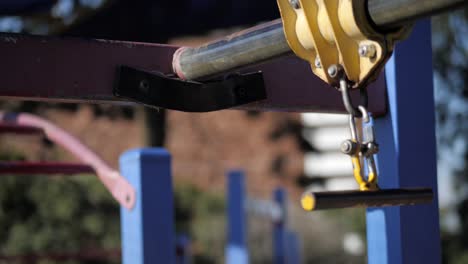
160	91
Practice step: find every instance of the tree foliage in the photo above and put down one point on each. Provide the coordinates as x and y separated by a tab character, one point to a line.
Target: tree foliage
451	74
42	215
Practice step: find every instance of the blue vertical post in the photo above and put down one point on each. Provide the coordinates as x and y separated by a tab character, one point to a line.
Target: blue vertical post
279	228
293	251
148	234
183	250
236	249
407	157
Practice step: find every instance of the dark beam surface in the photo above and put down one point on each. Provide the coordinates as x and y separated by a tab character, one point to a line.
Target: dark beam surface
32	168
77	70
69	69
6	128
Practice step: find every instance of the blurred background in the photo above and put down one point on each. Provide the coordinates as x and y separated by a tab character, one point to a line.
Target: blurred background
67	219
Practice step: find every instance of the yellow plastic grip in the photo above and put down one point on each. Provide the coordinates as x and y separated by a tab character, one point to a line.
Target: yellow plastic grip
308	202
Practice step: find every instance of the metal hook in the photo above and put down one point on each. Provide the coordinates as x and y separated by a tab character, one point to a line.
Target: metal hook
353	129
364	113
354	111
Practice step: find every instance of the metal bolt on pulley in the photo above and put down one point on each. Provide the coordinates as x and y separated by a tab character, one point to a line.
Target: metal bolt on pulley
317	62
295	4
367	51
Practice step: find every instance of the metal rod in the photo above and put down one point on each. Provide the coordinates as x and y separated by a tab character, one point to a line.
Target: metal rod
267	41
388	14
247	47
345	199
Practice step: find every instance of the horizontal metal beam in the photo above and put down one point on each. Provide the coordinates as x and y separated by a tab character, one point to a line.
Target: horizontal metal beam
85	255
16	129
30	168
74	70
77	70
267	41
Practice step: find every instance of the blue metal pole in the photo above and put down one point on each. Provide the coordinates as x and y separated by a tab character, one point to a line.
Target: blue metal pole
148	233
293	251
183	250
236	249
407	157
279	228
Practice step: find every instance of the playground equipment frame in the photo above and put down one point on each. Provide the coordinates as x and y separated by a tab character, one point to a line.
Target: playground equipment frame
407	158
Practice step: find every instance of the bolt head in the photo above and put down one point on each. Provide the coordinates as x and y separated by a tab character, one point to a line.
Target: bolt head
318	64
295	4
367	51
332	71
362	51
335	71
348	147
144	85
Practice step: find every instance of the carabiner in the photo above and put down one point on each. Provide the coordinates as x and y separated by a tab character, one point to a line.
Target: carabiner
358	157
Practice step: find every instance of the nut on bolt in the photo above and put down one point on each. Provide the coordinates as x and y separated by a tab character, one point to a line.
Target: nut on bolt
367	51
349	147
372	148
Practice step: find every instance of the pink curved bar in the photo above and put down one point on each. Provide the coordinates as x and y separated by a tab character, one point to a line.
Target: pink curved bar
117	185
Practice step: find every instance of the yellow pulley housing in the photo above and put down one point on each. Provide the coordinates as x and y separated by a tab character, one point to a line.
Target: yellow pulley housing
337	32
